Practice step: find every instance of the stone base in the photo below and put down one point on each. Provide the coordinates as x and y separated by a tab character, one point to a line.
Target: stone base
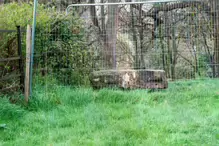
129	79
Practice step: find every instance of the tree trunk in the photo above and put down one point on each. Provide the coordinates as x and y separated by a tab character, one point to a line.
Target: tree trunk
94	14
162	47
134	35
174	53
167	32
109	53
108	32
103	21
141	36
215	7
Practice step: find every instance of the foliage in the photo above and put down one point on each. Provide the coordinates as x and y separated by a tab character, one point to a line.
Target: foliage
15	14
205	65
63	50
12	15
59	44
185	114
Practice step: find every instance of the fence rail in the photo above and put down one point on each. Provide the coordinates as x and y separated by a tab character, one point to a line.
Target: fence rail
10	31
7	77
10	59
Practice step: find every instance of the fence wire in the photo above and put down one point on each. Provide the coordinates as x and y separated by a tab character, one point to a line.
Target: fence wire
176	37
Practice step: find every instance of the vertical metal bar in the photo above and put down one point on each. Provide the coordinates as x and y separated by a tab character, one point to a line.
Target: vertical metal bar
21	67
33	41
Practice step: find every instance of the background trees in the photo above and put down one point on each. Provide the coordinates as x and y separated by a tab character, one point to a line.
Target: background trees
178	37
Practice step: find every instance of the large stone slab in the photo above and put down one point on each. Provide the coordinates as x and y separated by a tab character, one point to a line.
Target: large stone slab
129	79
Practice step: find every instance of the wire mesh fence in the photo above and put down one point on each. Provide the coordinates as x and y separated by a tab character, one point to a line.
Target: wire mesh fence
137	45
175	37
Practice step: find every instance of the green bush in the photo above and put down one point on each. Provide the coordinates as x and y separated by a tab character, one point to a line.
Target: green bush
60	46
63	51
15	14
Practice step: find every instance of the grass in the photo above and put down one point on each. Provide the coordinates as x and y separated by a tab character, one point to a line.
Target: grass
184	114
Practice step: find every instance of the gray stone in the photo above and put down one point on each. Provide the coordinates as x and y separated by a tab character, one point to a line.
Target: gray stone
129	79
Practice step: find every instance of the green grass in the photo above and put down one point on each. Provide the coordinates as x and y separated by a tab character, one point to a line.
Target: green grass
187	113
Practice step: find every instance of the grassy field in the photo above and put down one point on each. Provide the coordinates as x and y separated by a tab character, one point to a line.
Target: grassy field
187	113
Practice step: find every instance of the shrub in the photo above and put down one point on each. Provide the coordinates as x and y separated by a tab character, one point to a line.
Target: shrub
60	46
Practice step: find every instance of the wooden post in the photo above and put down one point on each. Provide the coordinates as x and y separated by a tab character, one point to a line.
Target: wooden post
21	66
28	53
